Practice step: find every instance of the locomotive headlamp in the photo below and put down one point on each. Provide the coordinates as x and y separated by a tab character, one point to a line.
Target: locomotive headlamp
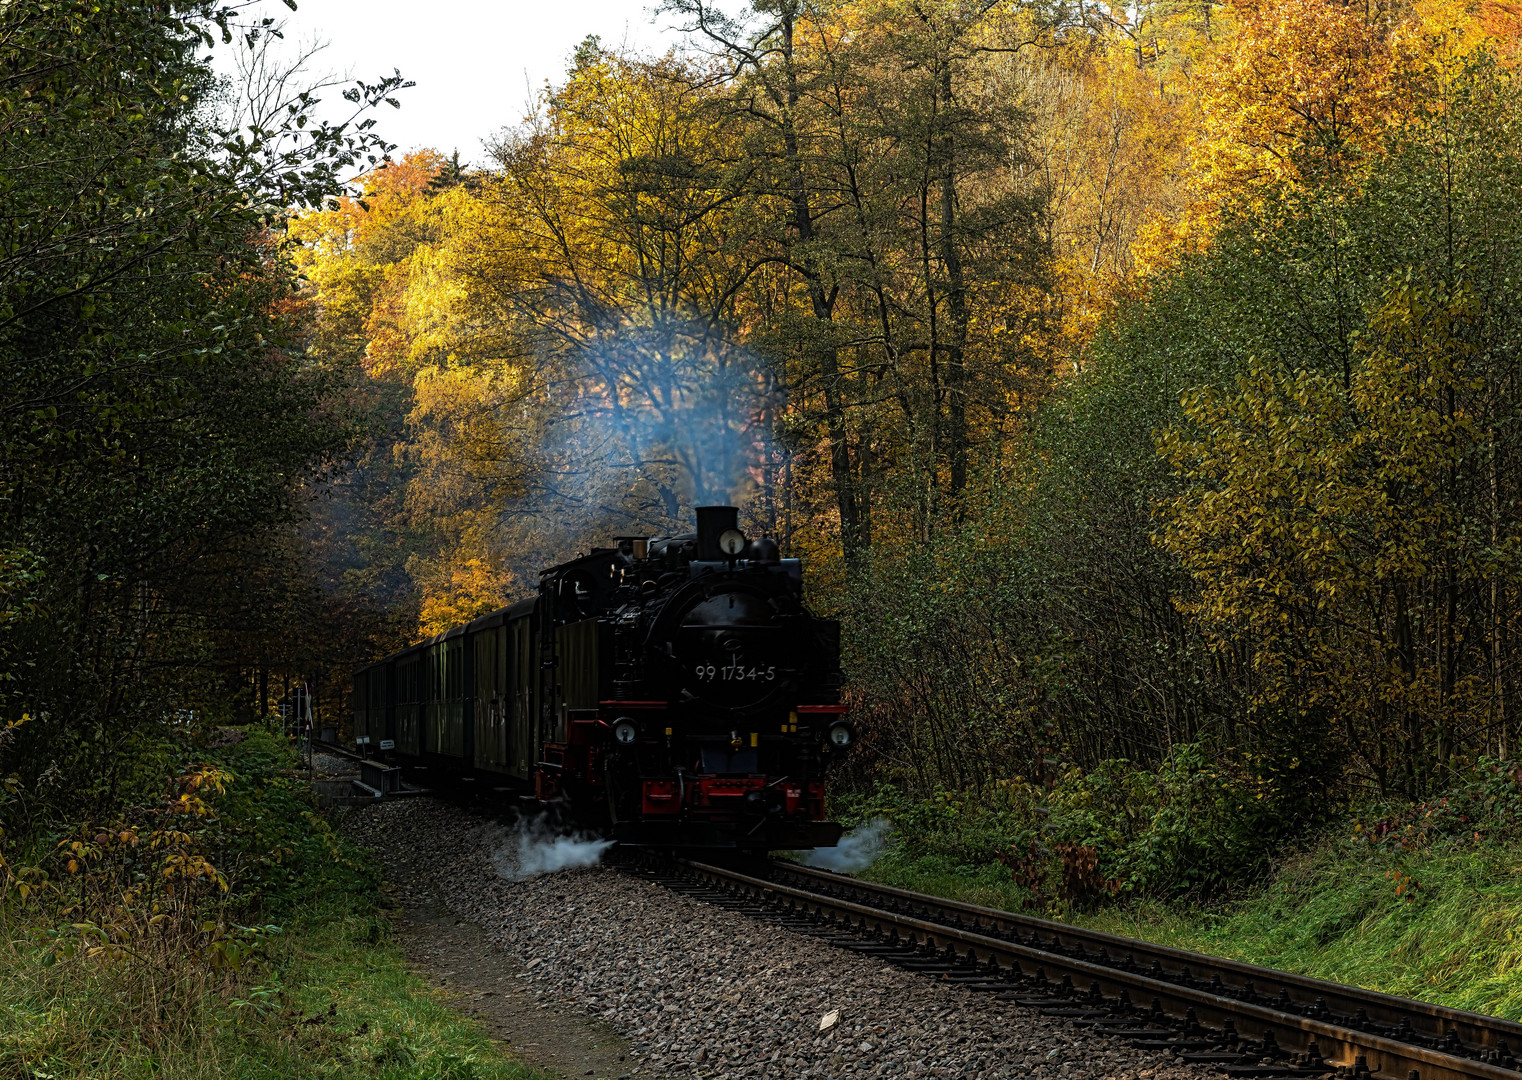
625	731
841	736
732	542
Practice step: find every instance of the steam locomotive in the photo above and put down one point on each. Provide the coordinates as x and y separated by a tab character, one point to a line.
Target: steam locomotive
674	690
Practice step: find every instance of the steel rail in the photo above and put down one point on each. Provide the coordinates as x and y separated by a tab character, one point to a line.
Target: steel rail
1300	993
1318	1022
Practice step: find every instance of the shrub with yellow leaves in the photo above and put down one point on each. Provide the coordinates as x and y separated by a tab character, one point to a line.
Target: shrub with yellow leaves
142	892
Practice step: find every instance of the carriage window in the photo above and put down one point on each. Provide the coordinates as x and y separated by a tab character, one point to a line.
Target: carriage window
406	678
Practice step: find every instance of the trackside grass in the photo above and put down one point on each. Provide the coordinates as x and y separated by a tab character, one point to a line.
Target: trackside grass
303	980
1333	914
1421	899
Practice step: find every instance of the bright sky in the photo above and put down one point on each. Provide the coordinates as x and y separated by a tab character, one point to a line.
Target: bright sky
476	62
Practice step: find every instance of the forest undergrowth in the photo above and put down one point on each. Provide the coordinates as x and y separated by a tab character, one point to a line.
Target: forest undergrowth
1417	898
233	934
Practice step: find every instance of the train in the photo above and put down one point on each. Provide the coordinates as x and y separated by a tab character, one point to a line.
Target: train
672	691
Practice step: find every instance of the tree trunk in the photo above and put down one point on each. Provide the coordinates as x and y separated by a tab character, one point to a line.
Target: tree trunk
822	304
956	301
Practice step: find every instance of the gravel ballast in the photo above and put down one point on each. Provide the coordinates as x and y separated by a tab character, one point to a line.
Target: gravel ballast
703	991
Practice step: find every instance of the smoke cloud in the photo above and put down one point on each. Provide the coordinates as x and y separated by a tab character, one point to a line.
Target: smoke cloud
540	849
857	850
628	431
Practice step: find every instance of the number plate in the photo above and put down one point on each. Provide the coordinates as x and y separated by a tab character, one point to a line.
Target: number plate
735	671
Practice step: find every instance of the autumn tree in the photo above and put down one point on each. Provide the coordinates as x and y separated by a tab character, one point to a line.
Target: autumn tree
357	257
1351	527
904	243
1101	642
565	325
159	413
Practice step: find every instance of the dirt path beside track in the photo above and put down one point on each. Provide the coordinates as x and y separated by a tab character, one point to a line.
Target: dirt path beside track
453	954
477	977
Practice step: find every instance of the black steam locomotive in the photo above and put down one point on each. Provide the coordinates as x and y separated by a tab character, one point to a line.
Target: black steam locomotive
673	689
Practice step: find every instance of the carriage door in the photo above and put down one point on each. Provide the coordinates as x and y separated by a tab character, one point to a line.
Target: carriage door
522	672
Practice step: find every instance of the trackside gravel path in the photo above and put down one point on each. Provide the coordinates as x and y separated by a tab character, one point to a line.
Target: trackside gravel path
700	991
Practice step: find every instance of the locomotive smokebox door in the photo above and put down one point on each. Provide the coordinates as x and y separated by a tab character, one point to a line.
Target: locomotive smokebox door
732	654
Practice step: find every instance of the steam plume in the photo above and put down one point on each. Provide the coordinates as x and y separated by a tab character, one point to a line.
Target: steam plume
857	850
539	849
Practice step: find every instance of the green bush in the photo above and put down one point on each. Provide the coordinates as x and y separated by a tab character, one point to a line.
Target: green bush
1483	805
1191	828
1421	899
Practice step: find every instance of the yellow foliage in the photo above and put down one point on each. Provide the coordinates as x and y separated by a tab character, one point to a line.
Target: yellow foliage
131	891
1321	527
638	238
456	591
1302	92
1110	146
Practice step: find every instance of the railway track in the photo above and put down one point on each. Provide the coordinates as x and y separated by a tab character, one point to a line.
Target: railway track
1240	1019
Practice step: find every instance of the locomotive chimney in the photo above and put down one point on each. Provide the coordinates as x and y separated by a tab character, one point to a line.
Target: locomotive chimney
713	522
